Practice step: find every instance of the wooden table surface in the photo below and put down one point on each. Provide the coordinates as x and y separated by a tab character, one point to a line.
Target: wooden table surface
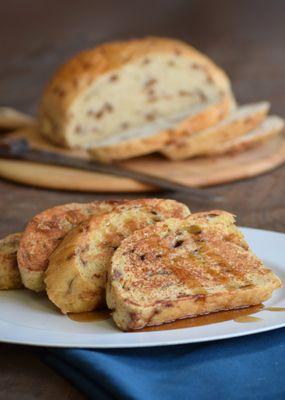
245	37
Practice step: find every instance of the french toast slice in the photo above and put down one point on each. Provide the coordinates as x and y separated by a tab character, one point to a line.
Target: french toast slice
9	273
185	268
44	233
76	275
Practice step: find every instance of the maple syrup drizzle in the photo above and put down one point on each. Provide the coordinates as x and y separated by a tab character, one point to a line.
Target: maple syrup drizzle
247	318
207	319
99	315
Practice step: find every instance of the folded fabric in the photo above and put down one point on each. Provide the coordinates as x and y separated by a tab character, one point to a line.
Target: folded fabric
250	367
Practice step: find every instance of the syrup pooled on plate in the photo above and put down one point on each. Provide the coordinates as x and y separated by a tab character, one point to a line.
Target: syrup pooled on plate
247	318
208	319
99	315
242	315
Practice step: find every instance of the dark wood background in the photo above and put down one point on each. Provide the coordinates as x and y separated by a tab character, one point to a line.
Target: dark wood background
244	37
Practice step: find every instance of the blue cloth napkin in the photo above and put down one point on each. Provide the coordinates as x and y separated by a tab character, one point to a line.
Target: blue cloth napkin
251	367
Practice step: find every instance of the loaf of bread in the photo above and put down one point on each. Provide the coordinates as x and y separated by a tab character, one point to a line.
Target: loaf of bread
145	90
211	140
271	127
76	275
184	268
44	233
9	273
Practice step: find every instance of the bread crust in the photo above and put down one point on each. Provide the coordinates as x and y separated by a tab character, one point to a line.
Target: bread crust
76	275
74	77
44	233
178	269
9	273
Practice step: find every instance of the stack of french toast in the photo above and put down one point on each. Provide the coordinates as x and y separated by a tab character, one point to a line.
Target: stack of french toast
130	98
150	261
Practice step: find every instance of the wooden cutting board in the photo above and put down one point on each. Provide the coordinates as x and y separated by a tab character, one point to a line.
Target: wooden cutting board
199	172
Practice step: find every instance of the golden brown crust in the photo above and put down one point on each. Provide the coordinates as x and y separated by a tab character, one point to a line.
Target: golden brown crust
9	273
44	233
176	269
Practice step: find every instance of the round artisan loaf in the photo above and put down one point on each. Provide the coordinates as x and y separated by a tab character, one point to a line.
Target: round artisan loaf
44	233
138	89
9	273
76	275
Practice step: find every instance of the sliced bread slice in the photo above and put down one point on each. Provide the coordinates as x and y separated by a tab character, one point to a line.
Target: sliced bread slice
76	275
137	88
268	129
143	140
11	119
44	233
184	268
9	273
204	142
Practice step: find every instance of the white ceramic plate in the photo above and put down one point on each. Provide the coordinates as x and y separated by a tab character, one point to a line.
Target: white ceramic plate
28	318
